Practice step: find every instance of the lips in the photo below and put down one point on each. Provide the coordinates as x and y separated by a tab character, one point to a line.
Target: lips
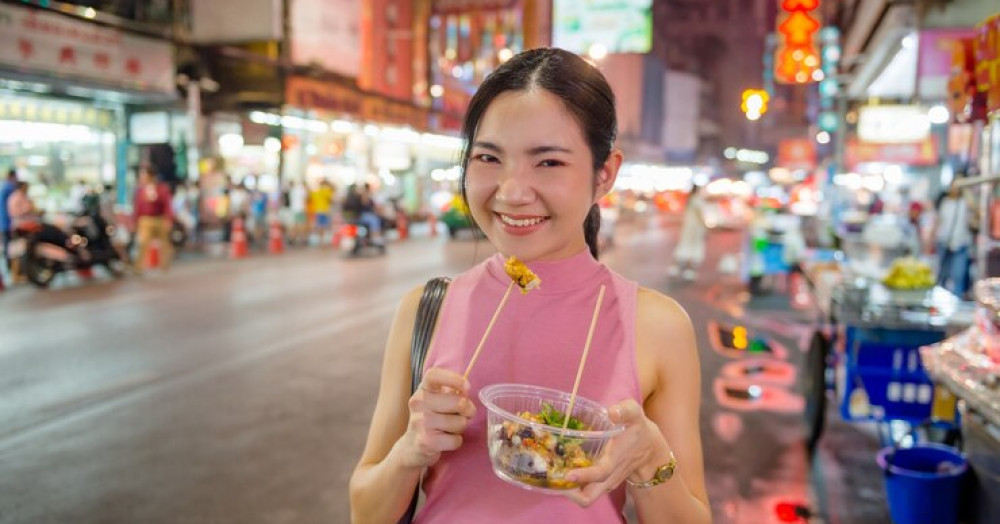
521	221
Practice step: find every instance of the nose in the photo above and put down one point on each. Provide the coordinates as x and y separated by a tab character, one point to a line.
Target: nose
515	188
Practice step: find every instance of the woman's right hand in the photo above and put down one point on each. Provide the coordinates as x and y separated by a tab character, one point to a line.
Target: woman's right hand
439	412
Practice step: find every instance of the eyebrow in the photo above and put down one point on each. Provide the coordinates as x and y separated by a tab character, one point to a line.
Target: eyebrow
537	150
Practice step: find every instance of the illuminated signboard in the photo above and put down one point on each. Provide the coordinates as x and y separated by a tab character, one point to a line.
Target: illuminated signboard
617	26
797	60
987	53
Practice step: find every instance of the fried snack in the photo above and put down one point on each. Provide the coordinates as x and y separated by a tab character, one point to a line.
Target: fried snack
521	275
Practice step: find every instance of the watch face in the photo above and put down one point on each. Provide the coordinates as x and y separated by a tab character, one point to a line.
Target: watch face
664	473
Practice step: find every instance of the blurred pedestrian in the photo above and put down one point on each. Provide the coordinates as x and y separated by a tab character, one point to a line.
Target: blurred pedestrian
6	190
298	197
368	215
953	241
690	251
153	214
321	202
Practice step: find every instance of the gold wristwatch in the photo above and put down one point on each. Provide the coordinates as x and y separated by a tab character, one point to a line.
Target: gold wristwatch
662	474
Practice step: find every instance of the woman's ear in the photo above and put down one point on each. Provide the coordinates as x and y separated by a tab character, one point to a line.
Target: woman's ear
609	173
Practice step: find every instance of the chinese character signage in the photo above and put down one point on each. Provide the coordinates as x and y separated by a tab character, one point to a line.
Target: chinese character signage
987	53
36	41
797	59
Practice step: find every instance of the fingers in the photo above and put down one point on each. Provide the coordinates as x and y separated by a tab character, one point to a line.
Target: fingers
626	412
440	380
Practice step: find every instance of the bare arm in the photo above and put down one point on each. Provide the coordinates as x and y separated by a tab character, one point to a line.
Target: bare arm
667	422
407	433
667	338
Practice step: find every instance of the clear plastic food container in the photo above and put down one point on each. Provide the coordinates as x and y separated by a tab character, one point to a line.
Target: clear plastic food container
527	443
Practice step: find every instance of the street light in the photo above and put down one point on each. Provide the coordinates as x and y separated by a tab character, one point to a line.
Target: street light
754	103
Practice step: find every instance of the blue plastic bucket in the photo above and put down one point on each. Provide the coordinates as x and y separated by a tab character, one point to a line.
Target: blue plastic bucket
922	483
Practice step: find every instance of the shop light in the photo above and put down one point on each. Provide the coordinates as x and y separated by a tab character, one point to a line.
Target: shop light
457	71
442	141
893	174
505	54
437	91
272	145
598	51
372	130
343	126
752	156
823	137
12	131
818	75
230	144
400	134
90	13
874	183
938	114
729	153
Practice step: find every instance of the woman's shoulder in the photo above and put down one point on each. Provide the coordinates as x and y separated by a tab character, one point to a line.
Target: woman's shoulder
660	318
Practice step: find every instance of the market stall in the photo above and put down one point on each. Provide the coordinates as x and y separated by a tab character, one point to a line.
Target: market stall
968	365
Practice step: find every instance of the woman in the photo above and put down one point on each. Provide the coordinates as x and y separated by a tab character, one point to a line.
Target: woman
538	157
690	250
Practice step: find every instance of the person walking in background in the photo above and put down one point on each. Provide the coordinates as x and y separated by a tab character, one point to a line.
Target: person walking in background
153	215
690	251
368	215
6	190
321	201
953	241
297	199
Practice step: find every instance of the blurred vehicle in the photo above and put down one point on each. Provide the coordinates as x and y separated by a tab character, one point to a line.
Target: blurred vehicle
726	213
46	250
456	218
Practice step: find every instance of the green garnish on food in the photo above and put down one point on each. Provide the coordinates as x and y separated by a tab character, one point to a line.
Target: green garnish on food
555	418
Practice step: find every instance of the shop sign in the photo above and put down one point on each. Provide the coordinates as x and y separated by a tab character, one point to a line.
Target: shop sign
383	110
327	33
893	124
796	57
305	93
797	153
51	112
466	6
923	153
965	102
35	40
934	59
987	51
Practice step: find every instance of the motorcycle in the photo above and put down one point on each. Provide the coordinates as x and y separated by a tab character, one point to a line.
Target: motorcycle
46	250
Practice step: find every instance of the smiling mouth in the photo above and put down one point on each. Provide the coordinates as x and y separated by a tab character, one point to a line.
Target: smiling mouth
520	222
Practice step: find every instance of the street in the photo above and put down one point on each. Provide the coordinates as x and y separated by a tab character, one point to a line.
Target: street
240	390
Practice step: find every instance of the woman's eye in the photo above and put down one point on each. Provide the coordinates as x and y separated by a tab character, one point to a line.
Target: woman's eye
551	163
489	159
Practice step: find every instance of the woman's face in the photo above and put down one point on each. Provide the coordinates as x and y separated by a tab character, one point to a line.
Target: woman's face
530	180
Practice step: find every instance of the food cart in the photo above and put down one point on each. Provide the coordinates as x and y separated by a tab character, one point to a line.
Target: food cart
865	347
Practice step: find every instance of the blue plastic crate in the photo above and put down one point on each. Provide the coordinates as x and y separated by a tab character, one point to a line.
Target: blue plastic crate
890	350
891	395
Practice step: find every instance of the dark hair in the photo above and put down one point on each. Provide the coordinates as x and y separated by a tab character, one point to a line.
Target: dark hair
584	92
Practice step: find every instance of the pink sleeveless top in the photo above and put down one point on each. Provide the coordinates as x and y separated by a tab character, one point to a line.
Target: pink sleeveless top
538	339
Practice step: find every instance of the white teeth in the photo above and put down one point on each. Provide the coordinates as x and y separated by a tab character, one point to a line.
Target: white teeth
520	222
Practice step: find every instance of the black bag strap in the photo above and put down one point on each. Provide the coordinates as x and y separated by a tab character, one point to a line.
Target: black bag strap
423	328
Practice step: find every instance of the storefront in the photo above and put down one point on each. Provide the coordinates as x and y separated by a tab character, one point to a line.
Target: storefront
66	87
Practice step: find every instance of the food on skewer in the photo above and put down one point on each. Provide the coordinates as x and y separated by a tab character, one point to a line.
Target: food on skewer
522	276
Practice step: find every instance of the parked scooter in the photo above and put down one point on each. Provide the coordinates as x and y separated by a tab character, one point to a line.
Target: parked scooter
46	250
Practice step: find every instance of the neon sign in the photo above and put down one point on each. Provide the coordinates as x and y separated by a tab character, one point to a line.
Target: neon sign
797	61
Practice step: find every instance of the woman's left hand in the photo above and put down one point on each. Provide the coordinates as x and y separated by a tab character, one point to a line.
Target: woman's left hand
640	443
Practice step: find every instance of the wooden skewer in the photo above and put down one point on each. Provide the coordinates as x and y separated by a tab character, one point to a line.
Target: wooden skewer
583	359
482	341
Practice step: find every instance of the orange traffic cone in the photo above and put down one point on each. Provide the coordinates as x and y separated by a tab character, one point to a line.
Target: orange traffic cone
402	228
153	255
432	222
276	244
238	244
338	231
